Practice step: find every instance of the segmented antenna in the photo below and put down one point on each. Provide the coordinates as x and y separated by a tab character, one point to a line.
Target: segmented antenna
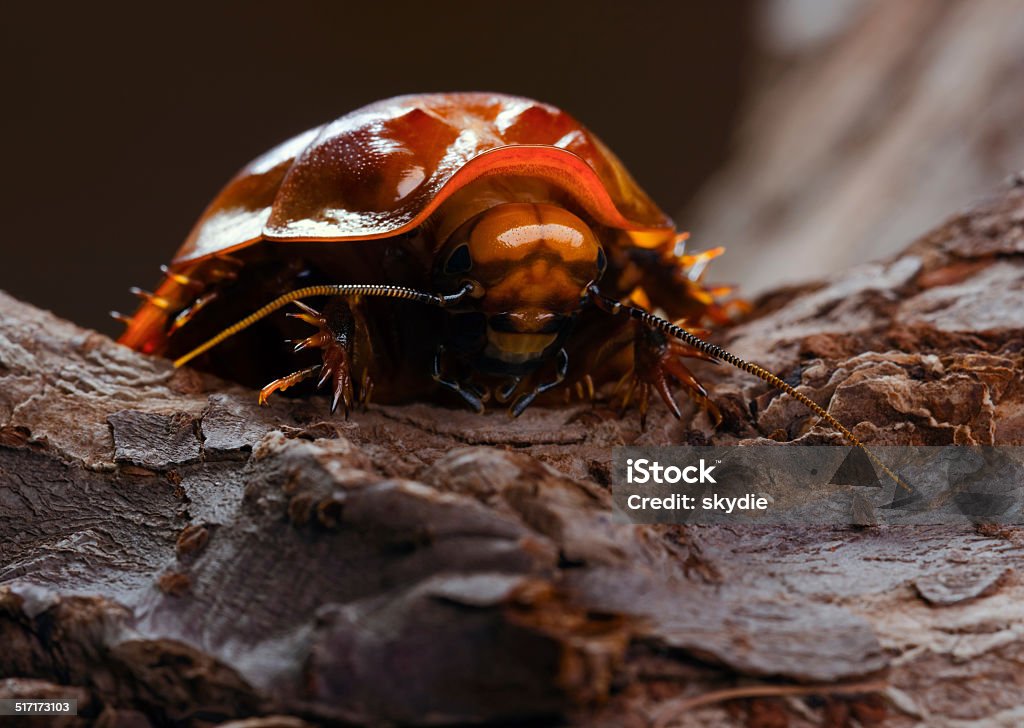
408	294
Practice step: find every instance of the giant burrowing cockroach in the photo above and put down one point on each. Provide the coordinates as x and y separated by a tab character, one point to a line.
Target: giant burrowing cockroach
471	244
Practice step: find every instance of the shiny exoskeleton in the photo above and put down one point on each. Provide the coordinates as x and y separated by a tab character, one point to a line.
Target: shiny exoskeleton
518	233
481	245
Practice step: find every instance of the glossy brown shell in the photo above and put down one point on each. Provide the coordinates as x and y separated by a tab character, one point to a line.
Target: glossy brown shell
383	169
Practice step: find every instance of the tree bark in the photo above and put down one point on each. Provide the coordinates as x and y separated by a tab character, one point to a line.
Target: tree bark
172	553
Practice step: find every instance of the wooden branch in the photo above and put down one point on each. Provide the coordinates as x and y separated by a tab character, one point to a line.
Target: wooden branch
170	552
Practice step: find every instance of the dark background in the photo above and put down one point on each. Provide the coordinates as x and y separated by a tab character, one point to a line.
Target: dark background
120	124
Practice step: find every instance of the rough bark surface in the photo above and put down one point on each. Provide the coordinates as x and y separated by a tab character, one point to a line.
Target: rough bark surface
170	553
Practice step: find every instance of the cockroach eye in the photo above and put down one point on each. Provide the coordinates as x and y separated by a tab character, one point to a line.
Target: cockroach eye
602	261
459	261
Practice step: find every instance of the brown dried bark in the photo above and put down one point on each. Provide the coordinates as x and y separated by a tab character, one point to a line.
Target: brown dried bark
179	555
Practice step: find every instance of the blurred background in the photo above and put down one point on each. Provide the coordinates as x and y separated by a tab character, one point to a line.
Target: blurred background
804	135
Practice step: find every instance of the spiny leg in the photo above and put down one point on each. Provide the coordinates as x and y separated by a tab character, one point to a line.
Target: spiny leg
329	335
657	362
469	392
524	400
335	335
279	385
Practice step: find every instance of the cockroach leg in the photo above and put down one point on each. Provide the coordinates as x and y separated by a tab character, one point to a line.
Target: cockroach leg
365	389
469	392
189	313
504	393
337	339
714	414
335	335
524	400
583	388
336	370
279	385
181	279
657	361
588	382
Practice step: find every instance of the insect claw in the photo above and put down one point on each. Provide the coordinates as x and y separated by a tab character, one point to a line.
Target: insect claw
307	309
504	392
589	381
187	314
365	389
305	317
562	363
712	409
666	396
629	394
279	385
309	315
324	378
468	396
317	341
524	400
683	375
520	405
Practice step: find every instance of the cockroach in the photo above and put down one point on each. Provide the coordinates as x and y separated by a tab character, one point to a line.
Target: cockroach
476	245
